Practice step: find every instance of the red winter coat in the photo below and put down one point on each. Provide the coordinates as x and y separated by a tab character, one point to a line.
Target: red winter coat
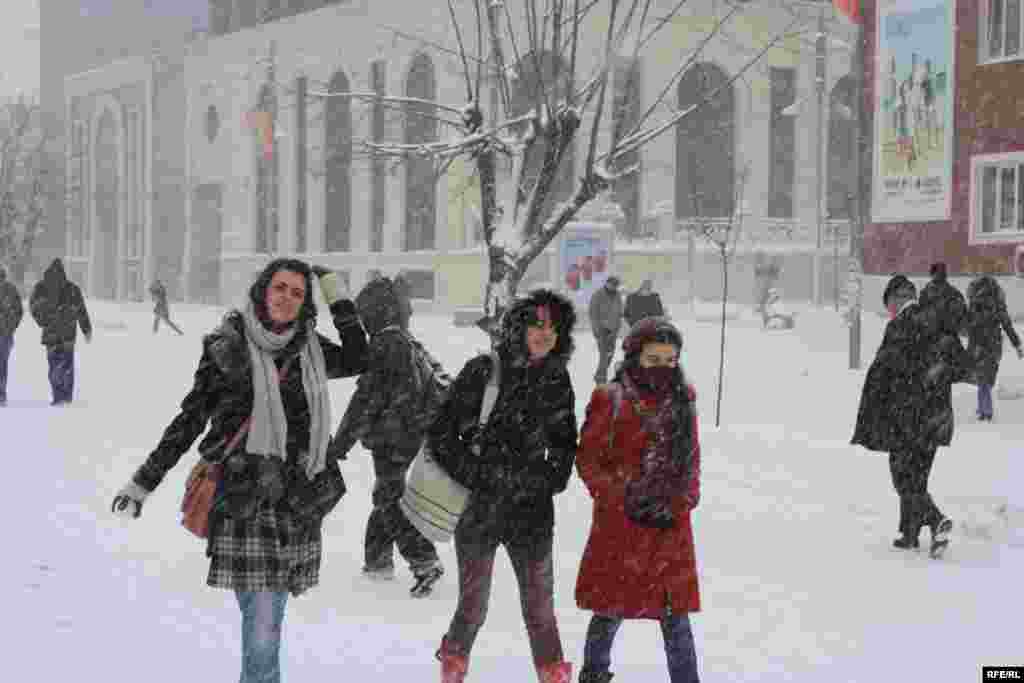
627	570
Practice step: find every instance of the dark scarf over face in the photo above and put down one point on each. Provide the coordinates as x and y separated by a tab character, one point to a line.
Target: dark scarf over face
667	457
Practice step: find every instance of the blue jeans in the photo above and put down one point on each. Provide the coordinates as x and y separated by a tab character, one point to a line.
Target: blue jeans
62	371
985	400
6	344
679	647
262	616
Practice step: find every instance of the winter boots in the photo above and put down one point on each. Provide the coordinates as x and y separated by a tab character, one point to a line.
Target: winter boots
425	580
940	537
906	543
587	676
383	573
557	672
453	665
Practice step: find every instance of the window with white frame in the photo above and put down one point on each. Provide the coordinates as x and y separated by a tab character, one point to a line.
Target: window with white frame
997	191
1002	24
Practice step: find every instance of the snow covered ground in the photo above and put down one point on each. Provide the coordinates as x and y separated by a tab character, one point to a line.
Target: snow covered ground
798	578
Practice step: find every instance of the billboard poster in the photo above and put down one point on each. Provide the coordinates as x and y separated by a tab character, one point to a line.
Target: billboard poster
914	80
585	253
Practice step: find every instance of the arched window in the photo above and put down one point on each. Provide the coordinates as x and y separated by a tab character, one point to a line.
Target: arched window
705	145
542	84
420	126
338	167
842	148
266	180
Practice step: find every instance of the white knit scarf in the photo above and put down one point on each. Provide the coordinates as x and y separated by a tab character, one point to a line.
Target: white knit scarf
268	427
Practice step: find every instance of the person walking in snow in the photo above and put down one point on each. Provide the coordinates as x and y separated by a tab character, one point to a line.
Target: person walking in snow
605	311
906	408
987	320
949	305
639	457
643	303
161	310
11	312
59	309
514	465
262	383
387	413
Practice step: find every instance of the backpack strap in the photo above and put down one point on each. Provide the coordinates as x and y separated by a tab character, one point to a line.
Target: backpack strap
491	391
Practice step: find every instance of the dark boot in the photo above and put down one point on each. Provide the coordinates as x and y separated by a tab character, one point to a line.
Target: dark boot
587	676
906	543
453	665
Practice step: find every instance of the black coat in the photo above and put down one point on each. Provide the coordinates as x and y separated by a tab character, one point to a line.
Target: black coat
527	450
222	393
58	307
948	304
987	319
11	309
640	306
907	401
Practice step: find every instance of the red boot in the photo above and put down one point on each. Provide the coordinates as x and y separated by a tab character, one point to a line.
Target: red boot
453	665
557	672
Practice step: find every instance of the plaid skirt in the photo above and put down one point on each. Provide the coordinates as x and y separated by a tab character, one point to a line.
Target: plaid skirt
269	551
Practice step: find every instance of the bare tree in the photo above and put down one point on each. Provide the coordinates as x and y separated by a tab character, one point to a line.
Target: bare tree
523	146
22	183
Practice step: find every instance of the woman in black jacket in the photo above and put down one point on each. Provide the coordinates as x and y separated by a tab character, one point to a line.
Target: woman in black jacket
514	466
262	383
987	320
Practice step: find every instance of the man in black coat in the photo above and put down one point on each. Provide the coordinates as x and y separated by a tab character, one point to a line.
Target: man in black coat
59	309
643	303
947	301
10	317
906	409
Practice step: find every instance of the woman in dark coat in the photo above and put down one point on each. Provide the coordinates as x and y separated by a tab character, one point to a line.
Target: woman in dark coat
987	319
262	382
906	408
514	466
641	463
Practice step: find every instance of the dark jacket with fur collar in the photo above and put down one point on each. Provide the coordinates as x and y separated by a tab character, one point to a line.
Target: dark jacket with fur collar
222	392
528	448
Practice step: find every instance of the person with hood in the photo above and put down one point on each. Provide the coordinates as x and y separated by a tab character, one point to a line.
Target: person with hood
11	312
161	310
948	303
262	384
59	309
386	413
987	320
639	457
906	408
514	466
643	303
605	311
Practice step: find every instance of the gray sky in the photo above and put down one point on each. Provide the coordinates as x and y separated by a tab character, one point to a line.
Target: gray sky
19	46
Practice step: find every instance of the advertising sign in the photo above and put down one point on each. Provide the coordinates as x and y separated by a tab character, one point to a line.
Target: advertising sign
585	258
912	179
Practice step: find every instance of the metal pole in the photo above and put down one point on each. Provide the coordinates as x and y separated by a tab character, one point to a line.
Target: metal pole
820	56
861	196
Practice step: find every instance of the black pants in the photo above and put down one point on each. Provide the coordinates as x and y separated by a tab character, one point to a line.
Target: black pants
606	352
157	317
910	470
61	359
388	526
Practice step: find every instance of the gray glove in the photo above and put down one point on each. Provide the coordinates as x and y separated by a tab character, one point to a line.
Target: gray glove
128	501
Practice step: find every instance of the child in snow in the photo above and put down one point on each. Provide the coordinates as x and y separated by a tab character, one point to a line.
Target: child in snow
514	466
639	456
386	413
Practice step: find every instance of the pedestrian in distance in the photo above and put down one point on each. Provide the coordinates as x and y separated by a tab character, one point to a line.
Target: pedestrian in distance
514	465
906	408
59	309
395	401
262	384
606	314
11	312
643	303
639	457
161	309
987	320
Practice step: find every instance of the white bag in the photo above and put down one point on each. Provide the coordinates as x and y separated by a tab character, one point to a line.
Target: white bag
433	502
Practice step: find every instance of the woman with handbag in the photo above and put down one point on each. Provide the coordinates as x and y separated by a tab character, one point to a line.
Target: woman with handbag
514	463
262	386
639	457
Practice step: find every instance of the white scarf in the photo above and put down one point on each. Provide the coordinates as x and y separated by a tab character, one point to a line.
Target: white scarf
268	427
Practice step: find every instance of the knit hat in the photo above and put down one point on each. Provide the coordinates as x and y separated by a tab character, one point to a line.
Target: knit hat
655	329
898	284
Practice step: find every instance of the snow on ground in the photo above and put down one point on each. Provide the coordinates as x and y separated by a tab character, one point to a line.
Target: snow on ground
798	578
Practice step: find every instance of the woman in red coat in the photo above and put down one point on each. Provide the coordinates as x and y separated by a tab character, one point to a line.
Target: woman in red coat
639	456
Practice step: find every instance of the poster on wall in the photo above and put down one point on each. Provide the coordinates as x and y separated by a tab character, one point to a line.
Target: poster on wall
913	111
585	258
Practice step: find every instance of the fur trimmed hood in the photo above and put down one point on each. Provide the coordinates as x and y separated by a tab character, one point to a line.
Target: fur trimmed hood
522	312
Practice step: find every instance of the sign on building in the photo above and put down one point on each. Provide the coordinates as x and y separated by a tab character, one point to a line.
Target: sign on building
914	79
